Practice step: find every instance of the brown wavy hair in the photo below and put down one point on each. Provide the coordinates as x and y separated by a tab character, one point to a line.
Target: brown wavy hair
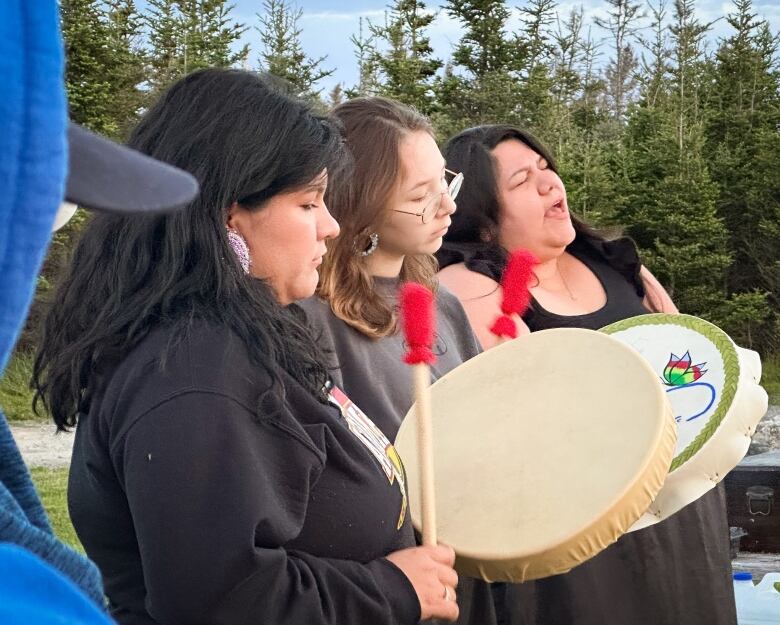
373	129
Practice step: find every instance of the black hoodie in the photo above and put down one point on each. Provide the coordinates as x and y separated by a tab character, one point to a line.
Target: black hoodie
202	504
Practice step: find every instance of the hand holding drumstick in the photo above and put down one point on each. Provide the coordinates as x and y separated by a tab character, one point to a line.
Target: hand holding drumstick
429	568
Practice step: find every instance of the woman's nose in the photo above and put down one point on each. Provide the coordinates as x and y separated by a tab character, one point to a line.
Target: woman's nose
328	228
448	205
545	181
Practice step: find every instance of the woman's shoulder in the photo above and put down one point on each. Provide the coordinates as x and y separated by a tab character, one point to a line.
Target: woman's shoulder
447	301
197	356
454	316
464	283
203	374
620	254
323	321
318	310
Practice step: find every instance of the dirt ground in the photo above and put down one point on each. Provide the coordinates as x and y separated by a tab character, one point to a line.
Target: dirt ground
41	446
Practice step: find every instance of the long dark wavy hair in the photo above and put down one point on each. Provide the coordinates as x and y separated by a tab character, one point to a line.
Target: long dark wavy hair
475	225
470	152
245	141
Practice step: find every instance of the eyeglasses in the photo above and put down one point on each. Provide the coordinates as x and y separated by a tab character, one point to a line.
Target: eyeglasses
432	207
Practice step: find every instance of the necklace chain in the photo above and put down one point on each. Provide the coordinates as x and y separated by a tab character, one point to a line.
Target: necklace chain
565	284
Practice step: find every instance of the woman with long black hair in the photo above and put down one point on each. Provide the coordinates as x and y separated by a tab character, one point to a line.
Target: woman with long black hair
215	478
676	571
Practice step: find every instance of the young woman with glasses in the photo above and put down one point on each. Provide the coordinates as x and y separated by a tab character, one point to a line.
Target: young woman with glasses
393	214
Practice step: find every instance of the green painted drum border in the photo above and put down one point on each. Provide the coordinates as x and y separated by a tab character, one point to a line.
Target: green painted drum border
728	353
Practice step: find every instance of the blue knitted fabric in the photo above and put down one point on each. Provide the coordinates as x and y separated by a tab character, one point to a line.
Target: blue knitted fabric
32	179
32	152
33	593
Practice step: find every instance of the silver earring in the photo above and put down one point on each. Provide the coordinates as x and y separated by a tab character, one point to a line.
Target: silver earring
240	248
374	242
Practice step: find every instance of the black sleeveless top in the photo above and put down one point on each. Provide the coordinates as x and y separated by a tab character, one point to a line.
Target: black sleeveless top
615	263
672	573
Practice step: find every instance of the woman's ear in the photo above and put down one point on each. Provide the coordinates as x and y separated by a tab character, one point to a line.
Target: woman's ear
231	216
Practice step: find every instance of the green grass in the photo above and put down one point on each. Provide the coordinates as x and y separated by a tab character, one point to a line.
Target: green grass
52	486
770	378
15	394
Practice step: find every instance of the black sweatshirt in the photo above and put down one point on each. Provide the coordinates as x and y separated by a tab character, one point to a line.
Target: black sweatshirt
202	504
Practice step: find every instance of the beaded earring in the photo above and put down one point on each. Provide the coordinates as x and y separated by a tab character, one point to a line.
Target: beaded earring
240	248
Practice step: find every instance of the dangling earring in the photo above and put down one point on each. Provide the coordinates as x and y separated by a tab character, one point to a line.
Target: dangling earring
240	248
373	243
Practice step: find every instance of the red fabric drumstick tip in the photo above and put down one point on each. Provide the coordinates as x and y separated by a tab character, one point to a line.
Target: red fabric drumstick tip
504	326
418	323
516	296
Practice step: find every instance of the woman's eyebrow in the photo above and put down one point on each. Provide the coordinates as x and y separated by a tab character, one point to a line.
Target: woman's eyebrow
422	183
526	168
318	185
519	171
426	182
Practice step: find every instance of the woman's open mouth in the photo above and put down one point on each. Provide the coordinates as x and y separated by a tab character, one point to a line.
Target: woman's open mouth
558	210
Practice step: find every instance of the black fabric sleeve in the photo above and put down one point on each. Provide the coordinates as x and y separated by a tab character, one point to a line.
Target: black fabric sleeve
621	254
485	259
214	494
319	317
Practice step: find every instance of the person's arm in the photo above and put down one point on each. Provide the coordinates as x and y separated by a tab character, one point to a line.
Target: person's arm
215	492
656	298
481	299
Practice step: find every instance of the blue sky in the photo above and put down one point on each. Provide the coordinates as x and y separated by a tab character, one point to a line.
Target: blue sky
328	24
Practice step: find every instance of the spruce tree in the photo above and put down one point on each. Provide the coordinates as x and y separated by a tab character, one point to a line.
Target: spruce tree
405	63
568	55
536	105
480	85
671	205
743	153
283	54
105	64
124	29
87	80
654	67
209	34
536	16
689	76
335	96
185	35
366	56
622	22
166	45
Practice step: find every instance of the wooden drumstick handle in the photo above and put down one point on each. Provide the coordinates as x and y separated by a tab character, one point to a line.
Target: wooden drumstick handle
422	377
